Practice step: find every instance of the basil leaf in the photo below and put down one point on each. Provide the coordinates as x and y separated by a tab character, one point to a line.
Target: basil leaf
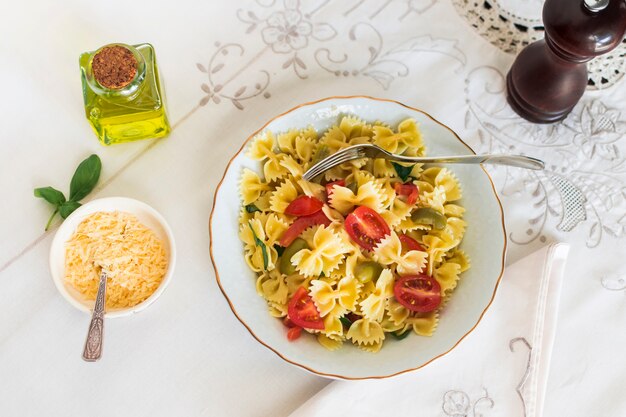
345	321
251	208
403	172
68	208
260	243
51	195
279	249
85	178
400	336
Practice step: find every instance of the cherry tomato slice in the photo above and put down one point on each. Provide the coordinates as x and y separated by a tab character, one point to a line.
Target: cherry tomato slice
330	185
302	311
304	206
366	227
300	225
408	190
408	243
294	333
420	293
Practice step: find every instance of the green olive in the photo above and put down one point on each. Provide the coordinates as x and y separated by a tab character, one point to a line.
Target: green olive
285	260
367	271
353	187
427	215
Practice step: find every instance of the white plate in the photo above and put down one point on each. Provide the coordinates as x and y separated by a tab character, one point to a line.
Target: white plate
144	213
484	242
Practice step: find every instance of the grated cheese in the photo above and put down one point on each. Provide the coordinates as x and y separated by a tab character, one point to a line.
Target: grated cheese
132	255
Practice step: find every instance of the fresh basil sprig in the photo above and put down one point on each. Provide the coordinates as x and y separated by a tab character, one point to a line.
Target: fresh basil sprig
260	243
251	208
345	321
83	182
403	172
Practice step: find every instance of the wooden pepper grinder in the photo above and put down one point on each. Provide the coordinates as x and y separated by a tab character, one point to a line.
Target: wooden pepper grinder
549	76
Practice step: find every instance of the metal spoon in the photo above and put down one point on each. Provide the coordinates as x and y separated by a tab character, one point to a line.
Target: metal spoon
93	344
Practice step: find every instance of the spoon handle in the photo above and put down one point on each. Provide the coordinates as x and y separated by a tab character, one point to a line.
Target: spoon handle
93	345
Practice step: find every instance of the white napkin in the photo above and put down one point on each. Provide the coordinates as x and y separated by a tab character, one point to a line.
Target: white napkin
500	369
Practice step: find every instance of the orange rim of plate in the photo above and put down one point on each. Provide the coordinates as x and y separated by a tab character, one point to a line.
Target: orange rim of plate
232	307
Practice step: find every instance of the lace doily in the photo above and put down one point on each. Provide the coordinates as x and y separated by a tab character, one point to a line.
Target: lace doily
513	24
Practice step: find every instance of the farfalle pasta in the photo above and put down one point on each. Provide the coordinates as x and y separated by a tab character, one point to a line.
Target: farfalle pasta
368	252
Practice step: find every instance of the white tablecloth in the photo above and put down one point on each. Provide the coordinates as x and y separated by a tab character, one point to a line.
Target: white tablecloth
187	354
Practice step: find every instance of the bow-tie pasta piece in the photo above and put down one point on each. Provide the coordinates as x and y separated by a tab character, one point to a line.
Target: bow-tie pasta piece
453	210
407	136
397	213
256	256
389	252
329	343
324	255
327	298
344	200
459	257
284	194
447	275
373	307
251	186
278	310
366	334
300	144
262	149
396	315
271	286
424	324
296	170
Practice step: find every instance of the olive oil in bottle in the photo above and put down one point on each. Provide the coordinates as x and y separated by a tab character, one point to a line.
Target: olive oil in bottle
123	95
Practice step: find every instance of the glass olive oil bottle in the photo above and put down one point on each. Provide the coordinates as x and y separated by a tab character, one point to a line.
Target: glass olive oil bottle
123	95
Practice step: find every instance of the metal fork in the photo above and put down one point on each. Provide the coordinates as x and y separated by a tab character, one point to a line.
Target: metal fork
372	151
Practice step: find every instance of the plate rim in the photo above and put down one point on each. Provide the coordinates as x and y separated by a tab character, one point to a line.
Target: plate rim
306	368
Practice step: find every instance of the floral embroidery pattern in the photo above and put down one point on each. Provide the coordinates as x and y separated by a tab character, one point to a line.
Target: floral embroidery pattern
458	404
218	85
287	29
520	387
371	59
584	181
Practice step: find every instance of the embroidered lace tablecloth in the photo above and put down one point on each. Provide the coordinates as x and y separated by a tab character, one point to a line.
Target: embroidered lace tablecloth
228	68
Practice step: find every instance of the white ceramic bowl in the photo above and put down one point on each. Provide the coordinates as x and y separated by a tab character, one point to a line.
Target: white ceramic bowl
484	242
146	215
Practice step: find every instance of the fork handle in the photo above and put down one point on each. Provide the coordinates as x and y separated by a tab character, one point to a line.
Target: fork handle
519	161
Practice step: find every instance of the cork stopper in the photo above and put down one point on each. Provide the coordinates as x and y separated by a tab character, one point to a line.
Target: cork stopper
114	67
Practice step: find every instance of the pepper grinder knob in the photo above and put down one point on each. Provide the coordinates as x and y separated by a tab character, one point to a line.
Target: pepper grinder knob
549	76
596	5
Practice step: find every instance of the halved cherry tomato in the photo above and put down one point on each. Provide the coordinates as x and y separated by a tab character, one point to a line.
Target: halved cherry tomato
304	206
408	190
330	185
300	225
408	243
366	227
420	293
294	333
302	311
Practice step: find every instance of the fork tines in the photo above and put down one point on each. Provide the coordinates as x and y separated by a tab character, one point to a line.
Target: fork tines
331	161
